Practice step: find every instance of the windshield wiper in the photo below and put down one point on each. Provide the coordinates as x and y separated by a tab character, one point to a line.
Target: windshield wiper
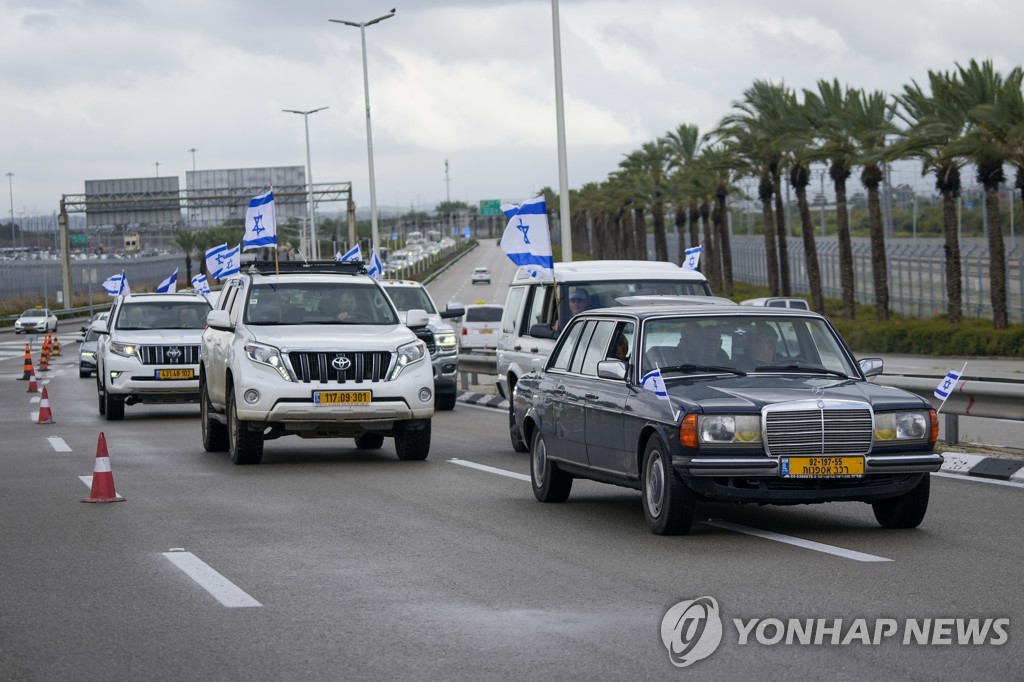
703	368
814	369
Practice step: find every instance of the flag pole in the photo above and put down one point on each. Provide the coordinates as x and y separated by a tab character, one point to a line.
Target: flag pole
943	403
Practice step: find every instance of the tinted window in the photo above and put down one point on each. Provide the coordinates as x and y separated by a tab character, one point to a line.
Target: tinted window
184	314
483	314
409	298
563	356
597	350
512	309
535	314
584	343
318	303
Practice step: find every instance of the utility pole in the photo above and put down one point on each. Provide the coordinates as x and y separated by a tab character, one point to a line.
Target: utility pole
447	183
193	150
157	164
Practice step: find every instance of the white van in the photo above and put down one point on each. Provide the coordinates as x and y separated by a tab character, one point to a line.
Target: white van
534	308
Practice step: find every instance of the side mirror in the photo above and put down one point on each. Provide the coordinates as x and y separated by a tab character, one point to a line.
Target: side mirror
453	311
611	369
100	327
870	367
416	318
218	319
543	331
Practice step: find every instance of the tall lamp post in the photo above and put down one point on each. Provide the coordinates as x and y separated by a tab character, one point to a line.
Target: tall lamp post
375	238
314	251
10	186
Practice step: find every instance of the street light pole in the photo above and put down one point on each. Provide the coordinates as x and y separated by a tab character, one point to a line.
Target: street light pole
374	236
314	251
157	164
564	214
193	151
10	186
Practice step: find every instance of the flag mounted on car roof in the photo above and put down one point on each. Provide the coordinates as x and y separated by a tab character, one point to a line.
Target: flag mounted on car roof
527	240
260	222
223	262
169	285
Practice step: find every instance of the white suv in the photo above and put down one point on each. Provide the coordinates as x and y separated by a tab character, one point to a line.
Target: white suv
533	309
316	351
148	351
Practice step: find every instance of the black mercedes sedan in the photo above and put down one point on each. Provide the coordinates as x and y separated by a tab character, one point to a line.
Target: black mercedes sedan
723	403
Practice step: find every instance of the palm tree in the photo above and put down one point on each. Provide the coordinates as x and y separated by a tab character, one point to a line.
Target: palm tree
186	240
871	122
683	148
720	169
935	121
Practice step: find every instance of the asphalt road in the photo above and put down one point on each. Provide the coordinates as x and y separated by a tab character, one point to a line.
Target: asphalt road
338	563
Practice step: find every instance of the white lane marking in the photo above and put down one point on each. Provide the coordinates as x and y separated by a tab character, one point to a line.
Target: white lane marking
490	470
222	589
798	542
58	444
87	480
34	416
978	479
34	399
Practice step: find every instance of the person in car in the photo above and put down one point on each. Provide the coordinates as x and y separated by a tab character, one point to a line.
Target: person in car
187	318
702	346
579	300
760	346
349	307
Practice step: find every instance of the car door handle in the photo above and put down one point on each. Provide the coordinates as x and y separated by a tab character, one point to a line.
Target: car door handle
517	347
535	350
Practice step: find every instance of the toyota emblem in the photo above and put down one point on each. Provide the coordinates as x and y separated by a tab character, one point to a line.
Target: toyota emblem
173	353
341	363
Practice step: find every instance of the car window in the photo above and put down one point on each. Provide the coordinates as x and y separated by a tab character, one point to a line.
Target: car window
584	342
318	303
536	313
483	314
563	355
512	310
598	348
183	314
408	298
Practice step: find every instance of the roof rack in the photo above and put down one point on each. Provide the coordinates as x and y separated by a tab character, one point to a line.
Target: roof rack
269	267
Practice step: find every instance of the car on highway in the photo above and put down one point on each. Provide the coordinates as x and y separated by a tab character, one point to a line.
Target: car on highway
36	320
481	275
723	403
481	326
87	354
779	302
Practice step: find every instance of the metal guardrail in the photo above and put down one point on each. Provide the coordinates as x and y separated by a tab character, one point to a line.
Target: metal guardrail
472	365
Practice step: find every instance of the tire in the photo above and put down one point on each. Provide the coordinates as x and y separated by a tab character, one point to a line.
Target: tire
444	402
215	434
518	444
99	395
113	406
550	484
84	373
245	446
905	511
669	506
369	441
413	444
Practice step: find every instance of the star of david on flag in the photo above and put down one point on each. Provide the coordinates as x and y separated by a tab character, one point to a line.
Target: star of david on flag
200	284
355	253
223	262
691	258
376	269
655	383
948	384
527	241
169	285
260	222
115	285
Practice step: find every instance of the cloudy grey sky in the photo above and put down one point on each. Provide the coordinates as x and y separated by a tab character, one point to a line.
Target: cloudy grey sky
100	89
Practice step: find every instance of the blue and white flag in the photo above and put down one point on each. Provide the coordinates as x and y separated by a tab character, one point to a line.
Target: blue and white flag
223	262
169	285
200	284
691	258
947	384
115	285
355	253
376	269
655	383
527	241
260	222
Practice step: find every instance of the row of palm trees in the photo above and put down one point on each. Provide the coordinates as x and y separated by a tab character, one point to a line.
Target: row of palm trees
970	116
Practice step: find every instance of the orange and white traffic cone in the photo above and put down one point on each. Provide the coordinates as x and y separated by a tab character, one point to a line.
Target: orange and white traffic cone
33	387
44	409
28	364
44	360
102	476
56	345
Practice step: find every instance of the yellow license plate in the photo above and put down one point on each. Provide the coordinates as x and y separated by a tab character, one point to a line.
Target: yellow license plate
341	397
486	331
175	374
821	467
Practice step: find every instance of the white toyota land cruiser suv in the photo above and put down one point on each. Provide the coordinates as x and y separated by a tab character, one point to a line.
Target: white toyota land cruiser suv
315	350
148	351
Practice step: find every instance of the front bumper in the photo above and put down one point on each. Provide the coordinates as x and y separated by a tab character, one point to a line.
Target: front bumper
446	369
129	377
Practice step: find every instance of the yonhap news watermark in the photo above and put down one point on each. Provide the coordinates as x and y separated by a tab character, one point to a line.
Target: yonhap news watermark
694	629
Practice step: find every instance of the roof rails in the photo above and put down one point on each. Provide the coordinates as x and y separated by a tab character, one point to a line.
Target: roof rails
269	267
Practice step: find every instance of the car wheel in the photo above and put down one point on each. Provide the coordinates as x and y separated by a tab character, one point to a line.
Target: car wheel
113	406
518	444
905	511
369	441
444	401
245	446
99	395
550	484
215	434
669	506
84	373
413	444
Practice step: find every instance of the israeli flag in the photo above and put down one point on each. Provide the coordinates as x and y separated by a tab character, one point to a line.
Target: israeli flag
260	222
376	269
655	383
200	284
223	262
691	258
947	384
115	285
352	254
169	285
527	241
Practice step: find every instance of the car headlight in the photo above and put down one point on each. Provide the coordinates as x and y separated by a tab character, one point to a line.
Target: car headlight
894	426
447	341
729	428
269	356
125	350
407	355
88	353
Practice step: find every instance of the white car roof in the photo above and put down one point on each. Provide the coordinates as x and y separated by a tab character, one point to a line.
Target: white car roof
603	270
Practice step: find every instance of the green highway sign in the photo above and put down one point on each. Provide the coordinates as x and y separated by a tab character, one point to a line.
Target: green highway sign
490	207
79	239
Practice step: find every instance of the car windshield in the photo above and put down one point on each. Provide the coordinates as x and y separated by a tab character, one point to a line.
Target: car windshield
407	298
34	313
739	344
336	303
184	314
483	314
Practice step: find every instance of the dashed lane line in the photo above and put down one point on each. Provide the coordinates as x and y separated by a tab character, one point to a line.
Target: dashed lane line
222	589
490	470
797	542
58	444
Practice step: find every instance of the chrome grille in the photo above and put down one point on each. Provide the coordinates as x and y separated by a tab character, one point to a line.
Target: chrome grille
427	337
804	429
169	355
317	366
